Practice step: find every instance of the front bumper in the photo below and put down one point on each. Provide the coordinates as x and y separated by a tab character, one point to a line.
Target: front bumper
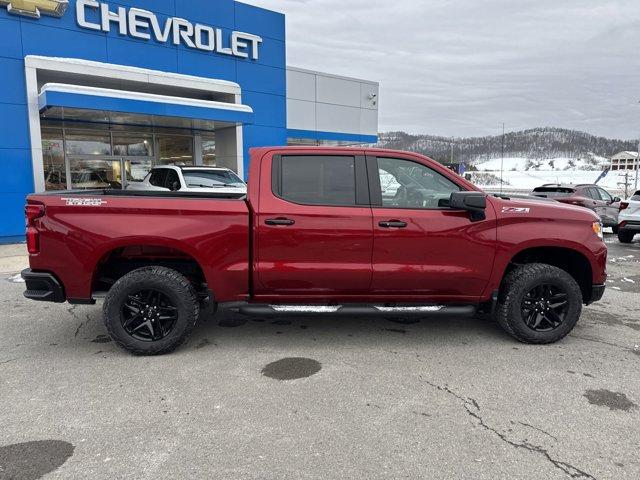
43	287
629	226
597	292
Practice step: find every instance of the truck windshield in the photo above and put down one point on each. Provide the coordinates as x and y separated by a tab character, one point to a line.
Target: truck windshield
553	191
212	179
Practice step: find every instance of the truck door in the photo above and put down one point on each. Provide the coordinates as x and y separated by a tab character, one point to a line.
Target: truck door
422	248
314	235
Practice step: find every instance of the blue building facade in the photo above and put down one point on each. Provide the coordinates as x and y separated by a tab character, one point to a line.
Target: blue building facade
222	40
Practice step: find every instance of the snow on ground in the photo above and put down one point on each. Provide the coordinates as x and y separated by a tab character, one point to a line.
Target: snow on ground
526	174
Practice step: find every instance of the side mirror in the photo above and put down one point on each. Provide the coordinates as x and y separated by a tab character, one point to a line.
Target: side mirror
473	202
175	186
617	200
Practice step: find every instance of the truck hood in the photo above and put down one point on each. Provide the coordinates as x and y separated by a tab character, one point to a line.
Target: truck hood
542	208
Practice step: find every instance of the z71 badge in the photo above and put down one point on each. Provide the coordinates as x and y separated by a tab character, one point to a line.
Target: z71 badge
515	210
85	202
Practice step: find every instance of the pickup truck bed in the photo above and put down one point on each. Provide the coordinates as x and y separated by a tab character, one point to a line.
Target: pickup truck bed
321	230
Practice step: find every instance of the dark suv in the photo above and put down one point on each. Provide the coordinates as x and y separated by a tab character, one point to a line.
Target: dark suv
590	196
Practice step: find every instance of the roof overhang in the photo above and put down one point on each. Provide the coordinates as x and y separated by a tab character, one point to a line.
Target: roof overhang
62	101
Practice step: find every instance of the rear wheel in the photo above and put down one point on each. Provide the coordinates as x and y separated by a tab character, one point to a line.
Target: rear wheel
625	237
539	303
151	311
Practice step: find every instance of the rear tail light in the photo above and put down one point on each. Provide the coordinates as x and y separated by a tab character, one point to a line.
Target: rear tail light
624	205
33	212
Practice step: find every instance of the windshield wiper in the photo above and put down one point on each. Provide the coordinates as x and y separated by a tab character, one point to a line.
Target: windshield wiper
223	185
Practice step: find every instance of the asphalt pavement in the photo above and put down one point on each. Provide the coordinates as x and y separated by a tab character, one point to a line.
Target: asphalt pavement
323	398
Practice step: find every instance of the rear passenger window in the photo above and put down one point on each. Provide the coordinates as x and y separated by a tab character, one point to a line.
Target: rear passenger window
318	180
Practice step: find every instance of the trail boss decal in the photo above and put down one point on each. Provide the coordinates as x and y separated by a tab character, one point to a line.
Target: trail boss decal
85	202
516	210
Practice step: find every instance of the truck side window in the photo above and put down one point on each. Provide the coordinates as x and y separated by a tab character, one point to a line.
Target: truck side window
172	182
157	177
407	184
318	180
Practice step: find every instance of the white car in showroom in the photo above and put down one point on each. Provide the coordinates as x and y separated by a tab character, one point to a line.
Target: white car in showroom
629	219
191	179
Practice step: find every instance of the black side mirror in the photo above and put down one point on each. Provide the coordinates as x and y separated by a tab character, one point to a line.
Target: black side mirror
617	200
175	186
473	202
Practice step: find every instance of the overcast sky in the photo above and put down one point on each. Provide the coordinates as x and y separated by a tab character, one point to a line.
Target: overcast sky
462	67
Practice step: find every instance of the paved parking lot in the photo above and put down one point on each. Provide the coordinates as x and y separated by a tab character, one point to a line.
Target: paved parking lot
377	399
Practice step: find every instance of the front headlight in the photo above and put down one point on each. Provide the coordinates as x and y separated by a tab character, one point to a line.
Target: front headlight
597	229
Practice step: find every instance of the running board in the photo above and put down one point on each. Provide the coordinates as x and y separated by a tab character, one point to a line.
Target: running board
358	310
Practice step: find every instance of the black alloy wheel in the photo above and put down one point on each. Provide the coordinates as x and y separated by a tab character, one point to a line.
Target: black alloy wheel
539	303
151	310
148	315
544	307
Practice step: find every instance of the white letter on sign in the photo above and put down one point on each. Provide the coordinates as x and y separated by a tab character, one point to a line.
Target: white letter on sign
80	14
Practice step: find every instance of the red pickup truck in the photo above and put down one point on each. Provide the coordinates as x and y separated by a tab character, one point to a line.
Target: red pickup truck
337	231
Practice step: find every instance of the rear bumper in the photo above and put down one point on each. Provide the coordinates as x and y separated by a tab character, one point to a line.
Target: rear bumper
597	292
43	287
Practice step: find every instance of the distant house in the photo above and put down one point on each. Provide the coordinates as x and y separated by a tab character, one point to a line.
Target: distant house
625	161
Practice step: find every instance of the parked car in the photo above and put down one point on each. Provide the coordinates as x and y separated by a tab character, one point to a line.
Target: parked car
592	197
629	218
190	179
316	235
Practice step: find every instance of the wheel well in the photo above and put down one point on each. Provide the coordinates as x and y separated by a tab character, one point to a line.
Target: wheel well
571	261
121	261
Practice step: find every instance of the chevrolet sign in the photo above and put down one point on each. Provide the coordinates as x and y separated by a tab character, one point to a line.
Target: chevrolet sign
145	25
35	8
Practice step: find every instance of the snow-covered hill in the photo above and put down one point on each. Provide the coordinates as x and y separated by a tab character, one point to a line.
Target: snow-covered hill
536	144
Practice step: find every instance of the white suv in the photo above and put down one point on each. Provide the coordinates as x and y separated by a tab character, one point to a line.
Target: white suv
191	179
629	219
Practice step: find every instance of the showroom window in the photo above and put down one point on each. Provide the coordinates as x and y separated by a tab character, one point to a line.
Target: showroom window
140	145
55	174
318	180
87	143
175	150
209	152
94	156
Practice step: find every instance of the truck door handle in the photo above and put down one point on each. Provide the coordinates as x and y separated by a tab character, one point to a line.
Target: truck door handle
393	224
280	221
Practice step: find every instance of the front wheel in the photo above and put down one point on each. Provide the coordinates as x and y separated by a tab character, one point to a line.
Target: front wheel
151	311
539	303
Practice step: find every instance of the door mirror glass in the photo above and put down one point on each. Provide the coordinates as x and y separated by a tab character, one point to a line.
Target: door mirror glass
617	200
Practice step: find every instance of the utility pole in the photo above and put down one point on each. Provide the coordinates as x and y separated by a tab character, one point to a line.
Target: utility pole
502	162
636	164
451	160
626	184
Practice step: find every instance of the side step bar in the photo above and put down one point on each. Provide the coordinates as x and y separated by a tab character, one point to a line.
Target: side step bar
357	310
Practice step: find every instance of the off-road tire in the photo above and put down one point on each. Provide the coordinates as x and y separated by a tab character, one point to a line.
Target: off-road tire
625	236
172	284
518	283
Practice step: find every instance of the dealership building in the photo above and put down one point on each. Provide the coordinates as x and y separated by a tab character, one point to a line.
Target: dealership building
97	93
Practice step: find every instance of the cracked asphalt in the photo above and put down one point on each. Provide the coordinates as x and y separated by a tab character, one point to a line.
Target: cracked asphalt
323	398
